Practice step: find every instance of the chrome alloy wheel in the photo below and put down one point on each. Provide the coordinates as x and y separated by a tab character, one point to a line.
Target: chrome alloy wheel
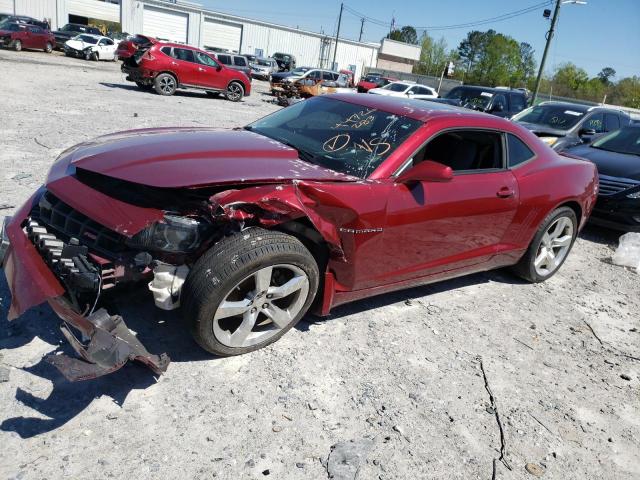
167	84
261	305
554	246
234	92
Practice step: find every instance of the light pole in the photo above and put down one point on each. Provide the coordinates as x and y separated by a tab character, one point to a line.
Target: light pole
554	20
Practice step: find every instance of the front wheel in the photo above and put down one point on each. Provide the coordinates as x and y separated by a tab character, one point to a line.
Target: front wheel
550	246
248	290
17	45
48	48
235	92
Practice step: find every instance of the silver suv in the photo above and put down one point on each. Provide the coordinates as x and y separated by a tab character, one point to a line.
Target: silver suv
237	62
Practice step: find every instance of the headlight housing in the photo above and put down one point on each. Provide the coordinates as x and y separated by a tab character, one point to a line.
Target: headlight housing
635	194
175	235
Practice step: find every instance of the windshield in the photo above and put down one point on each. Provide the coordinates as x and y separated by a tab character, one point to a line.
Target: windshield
344	137
372	78
626	140
263	63
561	117
470	97
87	39
396	87
300	70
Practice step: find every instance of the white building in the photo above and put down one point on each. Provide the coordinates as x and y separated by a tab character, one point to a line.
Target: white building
188	22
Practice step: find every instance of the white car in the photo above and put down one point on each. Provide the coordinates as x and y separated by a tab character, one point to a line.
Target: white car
405	89
91	47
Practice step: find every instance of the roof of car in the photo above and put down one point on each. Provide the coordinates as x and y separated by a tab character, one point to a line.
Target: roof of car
580	107
491	89
421	110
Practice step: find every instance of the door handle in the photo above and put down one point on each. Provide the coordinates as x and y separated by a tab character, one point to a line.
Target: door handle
174	63
505	192
201	69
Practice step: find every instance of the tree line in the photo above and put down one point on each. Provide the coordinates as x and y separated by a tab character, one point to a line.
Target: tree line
493	59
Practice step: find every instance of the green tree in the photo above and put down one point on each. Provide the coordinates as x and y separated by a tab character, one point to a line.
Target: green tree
606	74
568	80
406	34
626	92
433	55
470	49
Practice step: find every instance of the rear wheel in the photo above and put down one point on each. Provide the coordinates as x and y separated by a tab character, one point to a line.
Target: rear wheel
235	92
17	45
165	84
550	246
248	290
48	47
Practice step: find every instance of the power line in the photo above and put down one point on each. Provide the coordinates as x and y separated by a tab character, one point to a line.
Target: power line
498	18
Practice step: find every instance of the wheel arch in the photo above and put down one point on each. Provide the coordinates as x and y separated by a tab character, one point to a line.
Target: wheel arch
237	80
575	206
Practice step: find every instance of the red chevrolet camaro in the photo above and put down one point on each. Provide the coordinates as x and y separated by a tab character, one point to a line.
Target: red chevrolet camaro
333	199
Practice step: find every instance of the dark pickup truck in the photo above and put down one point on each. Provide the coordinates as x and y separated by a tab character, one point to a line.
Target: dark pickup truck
71	30
502	102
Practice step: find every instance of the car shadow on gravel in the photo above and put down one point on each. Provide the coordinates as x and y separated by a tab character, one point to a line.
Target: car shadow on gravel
158	330
178	93
411	294
601	235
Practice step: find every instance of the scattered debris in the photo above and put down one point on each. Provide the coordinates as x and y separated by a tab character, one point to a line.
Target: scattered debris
21	176
628	252
41	144
276	428
4	374
5	206
522	343
534	469
626	377
593	331
345	458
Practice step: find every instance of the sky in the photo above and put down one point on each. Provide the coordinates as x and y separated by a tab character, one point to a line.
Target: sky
602	33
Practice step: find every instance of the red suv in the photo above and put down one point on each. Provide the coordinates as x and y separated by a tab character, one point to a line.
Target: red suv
19	36
126	48
165	67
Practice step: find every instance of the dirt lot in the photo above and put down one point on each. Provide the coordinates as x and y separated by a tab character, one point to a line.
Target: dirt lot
399	384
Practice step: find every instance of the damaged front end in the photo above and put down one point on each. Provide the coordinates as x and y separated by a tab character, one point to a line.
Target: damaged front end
51	253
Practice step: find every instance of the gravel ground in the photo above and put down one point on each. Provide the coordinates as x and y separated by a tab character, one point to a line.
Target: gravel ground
394	387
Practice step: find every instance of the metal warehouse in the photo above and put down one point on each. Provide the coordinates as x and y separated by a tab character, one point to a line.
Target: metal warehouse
189	23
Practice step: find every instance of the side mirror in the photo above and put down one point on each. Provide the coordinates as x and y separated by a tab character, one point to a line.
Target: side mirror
586	132
426	171
498	107
410	94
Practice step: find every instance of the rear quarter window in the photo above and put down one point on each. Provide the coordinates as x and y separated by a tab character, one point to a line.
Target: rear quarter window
240	61
518	151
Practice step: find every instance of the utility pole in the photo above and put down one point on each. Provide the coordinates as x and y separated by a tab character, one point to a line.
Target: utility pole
546	50
393	24
361	29
335	51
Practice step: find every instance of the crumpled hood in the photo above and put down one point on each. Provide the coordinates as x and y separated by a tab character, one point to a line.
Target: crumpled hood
192	157
78	44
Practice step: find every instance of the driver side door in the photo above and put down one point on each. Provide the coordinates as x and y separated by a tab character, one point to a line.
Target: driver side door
209	72
435	227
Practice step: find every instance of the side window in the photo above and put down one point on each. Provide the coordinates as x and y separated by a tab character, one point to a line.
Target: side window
103	42
611	122
518	102
108	41
518	151
500	99
240	61
205	59
183	54
167	51
594	122
327	76
224	59
414	90
34	29
464	150
315	74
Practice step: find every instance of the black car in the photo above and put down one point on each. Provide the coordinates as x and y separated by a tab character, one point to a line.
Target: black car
71	30
8	18
502	102
562	125
286	62
280	76
617	156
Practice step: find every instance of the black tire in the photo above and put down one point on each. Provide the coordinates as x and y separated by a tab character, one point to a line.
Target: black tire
525	268
213	94
225	265
17	45
48	48
165	84
235	92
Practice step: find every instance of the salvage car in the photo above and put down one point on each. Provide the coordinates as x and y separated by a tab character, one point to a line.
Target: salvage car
263	68
236	62
286	62
373	80
496	101
71	30
128	47
8	18
405	89
20	35
334	199
617	156
562	125
91	47
167	67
